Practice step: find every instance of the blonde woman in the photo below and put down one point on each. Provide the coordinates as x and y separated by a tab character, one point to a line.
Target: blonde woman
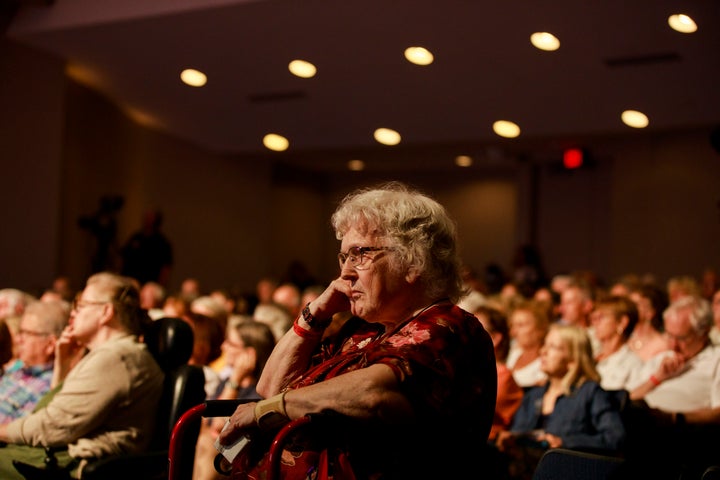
570	410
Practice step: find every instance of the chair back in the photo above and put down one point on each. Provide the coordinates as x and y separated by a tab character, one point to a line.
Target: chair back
564	464
170	340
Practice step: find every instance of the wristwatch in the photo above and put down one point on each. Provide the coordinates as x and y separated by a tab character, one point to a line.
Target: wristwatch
313	322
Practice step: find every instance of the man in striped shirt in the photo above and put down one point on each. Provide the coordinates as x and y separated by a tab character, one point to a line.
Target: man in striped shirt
29	377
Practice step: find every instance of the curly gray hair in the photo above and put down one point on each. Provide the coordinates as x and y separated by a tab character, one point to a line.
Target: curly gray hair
420	230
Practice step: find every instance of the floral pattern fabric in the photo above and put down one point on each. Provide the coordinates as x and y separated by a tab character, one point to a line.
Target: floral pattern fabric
445	365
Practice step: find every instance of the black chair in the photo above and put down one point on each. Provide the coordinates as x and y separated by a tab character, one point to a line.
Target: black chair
565	464
170	340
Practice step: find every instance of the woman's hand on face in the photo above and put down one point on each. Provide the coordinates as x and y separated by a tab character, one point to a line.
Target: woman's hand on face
241	422
335	299
244	364
671	366
67	349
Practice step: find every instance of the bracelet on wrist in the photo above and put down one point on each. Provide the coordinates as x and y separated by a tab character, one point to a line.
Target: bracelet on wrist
303	333
270	413
654	380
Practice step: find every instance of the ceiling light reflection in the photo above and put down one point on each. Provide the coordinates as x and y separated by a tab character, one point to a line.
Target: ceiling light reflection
192	77
463	161
682	23
387	136
275	142
419	55
302	69
545	41
506	129
635	119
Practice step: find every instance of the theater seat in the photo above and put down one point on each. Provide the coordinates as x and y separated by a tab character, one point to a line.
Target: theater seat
564	464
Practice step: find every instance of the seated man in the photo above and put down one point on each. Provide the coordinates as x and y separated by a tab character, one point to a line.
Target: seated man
108	397
28	378
683	388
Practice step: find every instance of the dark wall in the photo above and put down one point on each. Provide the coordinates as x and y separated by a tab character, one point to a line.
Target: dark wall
649	204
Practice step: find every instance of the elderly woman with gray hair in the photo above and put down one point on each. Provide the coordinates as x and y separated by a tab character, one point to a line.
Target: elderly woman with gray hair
413	373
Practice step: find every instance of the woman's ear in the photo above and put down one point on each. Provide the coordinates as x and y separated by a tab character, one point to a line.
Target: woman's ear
623	322
108	313
412	275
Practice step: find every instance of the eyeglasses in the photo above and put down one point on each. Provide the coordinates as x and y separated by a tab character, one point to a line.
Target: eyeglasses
357	257
683	339
77	304
32	333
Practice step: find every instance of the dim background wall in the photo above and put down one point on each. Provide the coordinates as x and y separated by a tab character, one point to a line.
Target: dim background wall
648	205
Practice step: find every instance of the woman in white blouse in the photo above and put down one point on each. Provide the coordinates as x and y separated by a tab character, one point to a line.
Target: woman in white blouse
614	319
529	323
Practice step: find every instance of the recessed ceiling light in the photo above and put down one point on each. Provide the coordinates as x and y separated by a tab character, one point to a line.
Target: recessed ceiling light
302	69
682	23
635	119
192	77
506	129
356	165
463	161
419	55
387	136
276	142
545	41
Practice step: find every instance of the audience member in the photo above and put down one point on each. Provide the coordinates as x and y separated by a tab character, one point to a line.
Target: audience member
29	377
408	367
683	393
715	330
709	283
682	286
209	334
571	410
213	308
310	293
275	317
624	285
288	296
175	306
6	346
614	319
12	306
550	298
190	289
647	339
226	299
108	398
264	290
576	304
63	287
687	378
528	326
152	299
247	348
509	393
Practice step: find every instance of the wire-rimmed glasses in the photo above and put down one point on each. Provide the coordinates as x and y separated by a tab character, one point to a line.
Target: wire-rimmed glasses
357	257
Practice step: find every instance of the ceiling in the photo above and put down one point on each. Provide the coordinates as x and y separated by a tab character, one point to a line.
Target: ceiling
614	55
